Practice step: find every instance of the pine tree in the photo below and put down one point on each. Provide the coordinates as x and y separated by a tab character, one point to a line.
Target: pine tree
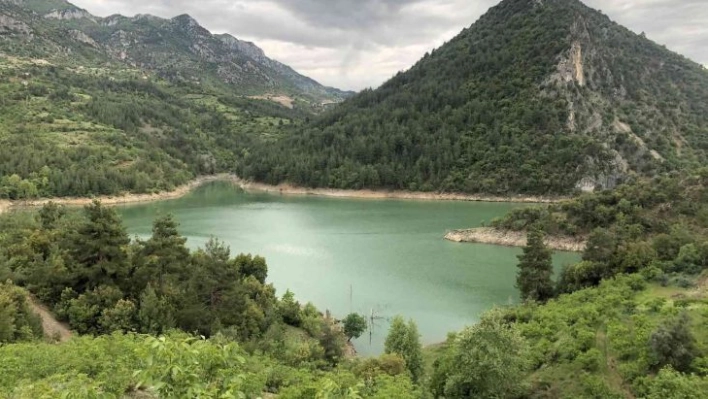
99	249
164	254
535	269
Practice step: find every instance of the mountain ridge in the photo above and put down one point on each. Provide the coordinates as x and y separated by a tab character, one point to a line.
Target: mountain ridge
146	41
536	97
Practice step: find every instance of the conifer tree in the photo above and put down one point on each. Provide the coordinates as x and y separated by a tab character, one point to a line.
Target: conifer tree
164	254
535	269
99	249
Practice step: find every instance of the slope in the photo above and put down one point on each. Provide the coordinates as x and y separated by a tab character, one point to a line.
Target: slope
91	107
177	49
83	131
536	97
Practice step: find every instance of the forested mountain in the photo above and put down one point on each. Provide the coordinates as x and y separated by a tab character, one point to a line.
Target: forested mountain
78	131
84	112
538	97
176	49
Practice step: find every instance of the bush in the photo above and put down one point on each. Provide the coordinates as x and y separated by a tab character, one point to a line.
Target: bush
673	344
591	360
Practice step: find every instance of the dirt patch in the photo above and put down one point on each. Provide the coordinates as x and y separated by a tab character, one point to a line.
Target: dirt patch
283	189
53	329
179	192
287	189
4	206
488	235
285	101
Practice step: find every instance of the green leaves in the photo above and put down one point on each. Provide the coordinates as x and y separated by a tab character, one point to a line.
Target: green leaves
403	339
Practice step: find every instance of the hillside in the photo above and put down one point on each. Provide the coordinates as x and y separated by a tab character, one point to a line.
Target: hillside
177	49
536	97
84	131
92	106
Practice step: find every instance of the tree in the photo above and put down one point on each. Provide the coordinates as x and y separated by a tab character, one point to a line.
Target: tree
600	247
50	214
290	309
99	249
332	341
535	269
253	266
156	315
403	339
162	256
354	325
484	361
672	344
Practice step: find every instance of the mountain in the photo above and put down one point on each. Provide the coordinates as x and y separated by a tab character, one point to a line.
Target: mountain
102	106
536	97
174	49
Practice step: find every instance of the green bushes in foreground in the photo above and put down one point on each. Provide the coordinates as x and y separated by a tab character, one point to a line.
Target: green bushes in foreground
175	366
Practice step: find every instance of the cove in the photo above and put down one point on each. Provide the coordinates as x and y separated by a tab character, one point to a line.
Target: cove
357	255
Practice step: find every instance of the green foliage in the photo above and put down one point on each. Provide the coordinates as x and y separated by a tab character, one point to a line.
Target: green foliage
487	360
673	344
85	267
175	366
535	269
119	132
670	384
500	109
354	325
18	322
192	368
403	339
648	227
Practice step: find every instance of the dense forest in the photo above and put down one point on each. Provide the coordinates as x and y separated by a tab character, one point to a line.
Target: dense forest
73	132
535	98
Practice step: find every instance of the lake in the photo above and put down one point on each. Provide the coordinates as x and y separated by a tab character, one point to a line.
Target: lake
357	255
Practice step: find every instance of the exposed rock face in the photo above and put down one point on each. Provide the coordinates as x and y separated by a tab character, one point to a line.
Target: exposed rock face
82	37
11	25
175	49
67	15
486	235
247	48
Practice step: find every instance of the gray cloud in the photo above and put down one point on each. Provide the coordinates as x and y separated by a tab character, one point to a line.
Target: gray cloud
353	44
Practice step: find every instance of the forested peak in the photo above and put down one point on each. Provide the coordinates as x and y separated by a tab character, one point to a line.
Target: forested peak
582	101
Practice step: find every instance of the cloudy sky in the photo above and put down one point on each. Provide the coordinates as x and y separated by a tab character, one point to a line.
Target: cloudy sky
353	44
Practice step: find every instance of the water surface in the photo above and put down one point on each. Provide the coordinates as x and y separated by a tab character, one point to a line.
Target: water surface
385	256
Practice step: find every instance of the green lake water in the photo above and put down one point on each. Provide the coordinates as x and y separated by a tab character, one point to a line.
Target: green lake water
347	255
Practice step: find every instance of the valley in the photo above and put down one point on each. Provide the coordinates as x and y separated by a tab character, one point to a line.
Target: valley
182	216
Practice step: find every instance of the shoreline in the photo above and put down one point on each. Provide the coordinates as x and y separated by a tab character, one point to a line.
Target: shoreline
179	192
288	189
489	235
282	189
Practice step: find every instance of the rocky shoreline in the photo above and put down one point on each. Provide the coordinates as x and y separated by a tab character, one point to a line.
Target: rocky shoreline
489	235
283	189
287	189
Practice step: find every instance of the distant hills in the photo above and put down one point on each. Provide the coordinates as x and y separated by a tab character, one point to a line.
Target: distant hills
177	49
101	106
536	97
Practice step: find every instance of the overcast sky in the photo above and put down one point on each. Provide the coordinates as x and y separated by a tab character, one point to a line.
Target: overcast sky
353	44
